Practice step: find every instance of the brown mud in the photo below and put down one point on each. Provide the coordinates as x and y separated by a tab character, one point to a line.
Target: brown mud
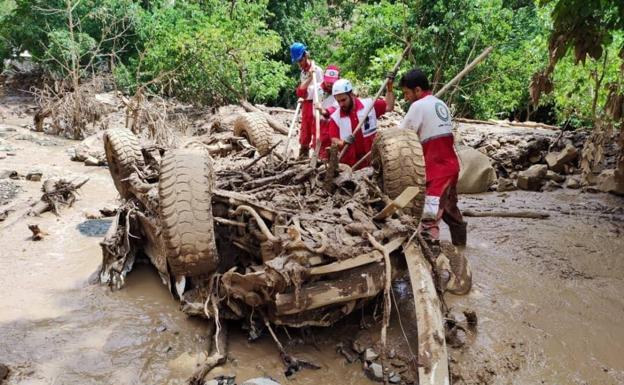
547	294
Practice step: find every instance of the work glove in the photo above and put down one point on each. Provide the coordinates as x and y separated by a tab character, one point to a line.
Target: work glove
350	139
391	75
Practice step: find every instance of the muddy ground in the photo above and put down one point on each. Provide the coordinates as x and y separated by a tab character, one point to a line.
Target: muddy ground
548	293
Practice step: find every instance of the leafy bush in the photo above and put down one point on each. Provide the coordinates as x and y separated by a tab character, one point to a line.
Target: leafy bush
214	53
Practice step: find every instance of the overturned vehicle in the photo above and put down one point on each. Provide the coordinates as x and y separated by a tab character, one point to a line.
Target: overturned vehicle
237	230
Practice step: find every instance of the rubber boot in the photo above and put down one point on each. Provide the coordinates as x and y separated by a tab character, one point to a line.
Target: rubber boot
459	234
304	153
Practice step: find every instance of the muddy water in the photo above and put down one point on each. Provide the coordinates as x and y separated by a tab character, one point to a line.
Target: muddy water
57	328
548	294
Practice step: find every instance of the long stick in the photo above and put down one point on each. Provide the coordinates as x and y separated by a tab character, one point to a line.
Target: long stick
317	119
362	159
262	156
463	72
377	95
292	127
387	302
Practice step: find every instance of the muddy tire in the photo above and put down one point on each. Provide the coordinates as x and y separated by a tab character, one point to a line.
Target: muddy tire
254	127
185	191
123	155
398	160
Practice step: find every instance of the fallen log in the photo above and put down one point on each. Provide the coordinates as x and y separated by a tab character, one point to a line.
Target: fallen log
474	121
506	214
275	109
532	125
277	126
432	354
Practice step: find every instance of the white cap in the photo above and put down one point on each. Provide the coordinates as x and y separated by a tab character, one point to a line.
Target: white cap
341	86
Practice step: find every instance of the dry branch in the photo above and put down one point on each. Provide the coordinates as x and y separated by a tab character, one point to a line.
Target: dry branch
57	193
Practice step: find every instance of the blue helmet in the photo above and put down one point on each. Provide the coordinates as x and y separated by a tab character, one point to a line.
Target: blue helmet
297	50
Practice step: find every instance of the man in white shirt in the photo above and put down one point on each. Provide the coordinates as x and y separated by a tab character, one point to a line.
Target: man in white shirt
431	119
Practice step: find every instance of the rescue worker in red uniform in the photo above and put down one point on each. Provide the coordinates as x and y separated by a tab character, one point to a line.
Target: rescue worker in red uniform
344	121
305	91
431	119
329	104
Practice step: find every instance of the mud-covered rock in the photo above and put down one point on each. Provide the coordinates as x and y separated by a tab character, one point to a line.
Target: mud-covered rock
394	378
93	161
553	176
608	182
532	179
370	355
477	173
557	160
91	147
536	171
374	371
573	182
34	176
505	184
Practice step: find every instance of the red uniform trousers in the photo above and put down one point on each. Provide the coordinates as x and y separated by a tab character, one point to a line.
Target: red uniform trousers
445	189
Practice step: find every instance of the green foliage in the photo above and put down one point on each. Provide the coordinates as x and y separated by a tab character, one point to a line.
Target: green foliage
445	36
216	52
64	47
504	92
588	26
576	86
213	53
6	7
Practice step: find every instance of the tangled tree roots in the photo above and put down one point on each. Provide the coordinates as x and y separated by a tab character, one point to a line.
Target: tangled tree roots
57	193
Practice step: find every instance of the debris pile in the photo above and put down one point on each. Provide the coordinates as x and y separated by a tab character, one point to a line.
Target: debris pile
237	231
535	159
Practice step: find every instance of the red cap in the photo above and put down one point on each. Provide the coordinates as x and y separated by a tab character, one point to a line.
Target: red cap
332	73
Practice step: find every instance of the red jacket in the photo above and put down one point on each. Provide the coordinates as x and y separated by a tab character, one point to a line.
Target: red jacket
363	139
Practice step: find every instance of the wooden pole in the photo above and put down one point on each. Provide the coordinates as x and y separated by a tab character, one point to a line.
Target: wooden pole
465	71
317	119
292	127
